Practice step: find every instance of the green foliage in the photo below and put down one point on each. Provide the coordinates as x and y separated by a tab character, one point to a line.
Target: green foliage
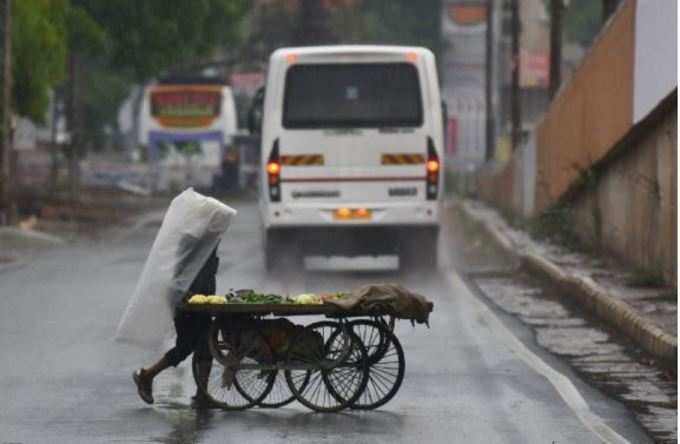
271	26
38	53
188	149
582	21
645	279
397	22
152	35
118	43
138	40
85	35
102	92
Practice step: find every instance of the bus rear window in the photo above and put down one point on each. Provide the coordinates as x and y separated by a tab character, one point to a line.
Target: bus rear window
361	95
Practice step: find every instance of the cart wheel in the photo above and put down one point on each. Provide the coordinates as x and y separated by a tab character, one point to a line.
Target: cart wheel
386	363
328	376
280	394
230	386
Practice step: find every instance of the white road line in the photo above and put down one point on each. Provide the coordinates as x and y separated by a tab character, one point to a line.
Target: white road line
569	393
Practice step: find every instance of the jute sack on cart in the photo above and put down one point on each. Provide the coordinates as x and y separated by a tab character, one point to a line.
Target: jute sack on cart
387	298
192	227
263	338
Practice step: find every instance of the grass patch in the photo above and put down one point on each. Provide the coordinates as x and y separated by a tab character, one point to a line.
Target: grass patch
645	279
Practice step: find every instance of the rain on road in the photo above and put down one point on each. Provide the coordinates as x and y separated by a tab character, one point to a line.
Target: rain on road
475	376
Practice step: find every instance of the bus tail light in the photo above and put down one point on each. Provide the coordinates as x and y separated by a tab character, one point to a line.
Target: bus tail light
433	166
274	173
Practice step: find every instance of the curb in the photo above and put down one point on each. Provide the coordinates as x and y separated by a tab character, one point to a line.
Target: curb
11	266
34	236
586	291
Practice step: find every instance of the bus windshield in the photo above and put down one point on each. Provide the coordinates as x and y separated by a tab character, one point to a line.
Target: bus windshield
357	95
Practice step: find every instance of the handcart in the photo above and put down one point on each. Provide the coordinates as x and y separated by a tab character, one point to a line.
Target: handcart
351	359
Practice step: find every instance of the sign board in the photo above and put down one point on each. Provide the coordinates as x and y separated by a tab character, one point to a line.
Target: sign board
186	107
534	70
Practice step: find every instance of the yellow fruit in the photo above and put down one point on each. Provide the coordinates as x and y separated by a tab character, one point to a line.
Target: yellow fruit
216	299
308	298
198	299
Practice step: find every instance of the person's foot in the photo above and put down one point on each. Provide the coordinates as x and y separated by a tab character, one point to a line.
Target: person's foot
200	401
144	386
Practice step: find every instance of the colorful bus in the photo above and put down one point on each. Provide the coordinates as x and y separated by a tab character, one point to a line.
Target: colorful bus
188	129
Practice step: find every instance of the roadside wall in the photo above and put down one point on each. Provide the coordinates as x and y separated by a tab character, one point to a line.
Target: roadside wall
631	208
496	185
591	113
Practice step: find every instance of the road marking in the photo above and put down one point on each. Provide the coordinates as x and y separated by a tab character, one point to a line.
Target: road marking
569	393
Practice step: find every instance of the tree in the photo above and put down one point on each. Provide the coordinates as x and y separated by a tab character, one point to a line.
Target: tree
152	35
313	24
38	52
400	22
114	45
100	48
582	21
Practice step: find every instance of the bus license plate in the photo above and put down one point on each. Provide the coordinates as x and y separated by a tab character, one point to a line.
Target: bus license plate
352	214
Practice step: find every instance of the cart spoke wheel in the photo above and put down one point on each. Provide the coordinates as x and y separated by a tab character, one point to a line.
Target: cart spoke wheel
229	386
280	394
335	373
386	363
247	389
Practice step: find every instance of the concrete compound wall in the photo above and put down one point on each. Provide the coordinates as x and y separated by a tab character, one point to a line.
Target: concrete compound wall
496	185
630	209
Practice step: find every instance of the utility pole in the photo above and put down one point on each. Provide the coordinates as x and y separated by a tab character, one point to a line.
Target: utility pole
515	103
556	13
490	125
73	121
54	145
7	158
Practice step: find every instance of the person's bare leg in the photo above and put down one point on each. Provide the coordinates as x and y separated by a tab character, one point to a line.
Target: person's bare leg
204	368
155	369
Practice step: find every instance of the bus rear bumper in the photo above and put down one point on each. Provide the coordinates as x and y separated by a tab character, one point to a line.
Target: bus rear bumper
381	214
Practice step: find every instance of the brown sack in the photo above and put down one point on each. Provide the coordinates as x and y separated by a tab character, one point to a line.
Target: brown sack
387	298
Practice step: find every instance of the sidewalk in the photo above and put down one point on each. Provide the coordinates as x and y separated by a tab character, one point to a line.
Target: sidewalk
644	310
16	244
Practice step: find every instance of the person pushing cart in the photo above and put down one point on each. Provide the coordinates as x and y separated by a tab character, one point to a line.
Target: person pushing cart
187	244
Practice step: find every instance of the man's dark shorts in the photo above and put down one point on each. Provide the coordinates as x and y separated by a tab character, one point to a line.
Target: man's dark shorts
192	328
192	335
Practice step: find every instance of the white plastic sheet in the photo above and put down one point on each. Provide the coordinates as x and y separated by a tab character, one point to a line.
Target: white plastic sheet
191	229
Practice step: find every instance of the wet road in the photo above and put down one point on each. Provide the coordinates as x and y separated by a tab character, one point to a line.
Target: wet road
473	377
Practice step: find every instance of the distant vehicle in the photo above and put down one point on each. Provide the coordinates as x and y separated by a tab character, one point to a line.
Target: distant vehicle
351	153
188	126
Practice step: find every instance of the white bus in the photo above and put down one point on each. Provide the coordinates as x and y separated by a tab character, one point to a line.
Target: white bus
351	155
188	130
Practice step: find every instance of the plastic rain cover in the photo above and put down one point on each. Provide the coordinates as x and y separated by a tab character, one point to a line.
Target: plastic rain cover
191	229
